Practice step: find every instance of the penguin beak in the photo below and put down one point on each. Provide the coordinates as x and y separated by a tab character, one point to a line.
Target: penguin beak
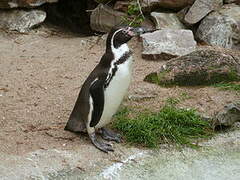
139	31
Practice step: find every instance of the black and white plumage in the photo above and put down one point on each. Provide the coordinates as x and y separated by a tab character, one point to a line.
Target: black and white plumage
104	89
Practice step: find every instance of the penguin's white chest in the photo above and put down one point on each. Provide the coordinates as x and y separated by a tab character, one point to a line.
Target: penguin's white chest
115	91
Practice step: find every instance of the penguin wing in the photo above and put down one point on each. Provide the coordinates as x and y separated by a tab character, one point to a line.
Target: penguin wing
97	94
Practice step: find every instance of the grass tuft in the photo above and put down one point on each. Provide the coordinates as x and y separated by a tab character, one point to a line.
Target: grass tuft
228	86
169	125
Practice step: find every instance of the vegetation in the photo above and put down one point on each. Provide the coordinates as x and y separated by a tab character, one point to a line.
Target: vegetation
135	16
228	86
169	125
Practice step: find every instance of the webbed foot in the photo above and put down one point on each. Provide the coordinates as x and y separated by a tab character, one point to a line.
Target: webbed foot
110	135
105	147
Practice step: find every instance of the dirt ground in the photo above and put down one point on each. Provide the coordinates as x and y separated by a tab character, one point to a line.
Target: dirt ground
40	77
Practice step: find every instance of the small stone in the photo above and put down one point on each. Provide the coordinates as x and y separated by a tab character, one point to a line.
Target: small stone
228	116
140	97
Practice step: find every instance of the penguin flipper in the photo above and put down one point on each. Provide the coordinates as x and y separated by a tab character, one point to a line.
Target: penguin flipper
97	94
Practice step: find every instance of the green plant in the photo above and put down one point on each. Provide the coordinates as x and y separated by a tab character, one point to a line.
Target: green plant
134	14
169	125
228	86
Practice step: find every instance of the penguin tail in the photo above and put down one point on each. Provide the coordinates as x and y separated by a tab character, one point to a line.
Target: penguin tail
74	125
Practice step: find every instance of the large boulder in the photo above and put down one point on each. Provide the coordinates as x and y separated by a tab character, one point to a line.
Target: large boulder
6	4
166	20
201	67
167	43
103	18
149	5
200	9
21	20
221	28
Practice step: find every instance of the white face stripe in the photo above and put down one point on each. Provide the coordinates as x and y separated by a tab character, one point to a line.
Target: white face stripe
94	81
113	36
117	53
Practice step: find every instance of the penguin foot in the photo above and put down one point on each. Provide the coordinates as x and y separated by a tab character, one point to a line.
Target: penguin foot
105	147
110	135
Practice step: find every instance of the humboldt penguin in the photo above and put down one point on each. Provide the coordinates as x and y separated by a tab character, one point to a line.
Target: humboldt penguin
104	89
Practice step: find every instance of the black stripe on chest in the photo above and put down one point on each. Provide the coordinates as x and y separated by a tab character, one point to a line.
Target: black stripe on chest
115	67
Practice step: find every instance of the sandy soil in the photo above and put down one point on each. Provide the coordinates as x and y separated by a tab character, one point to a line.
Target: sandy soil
40	76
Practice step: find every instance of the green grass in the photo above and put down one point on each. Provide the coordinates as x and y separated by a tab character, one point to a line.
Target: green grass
169	125
228	86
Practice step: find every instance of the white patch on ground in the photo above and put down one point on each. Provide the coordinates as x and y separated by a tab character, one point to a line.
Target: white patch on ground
112	171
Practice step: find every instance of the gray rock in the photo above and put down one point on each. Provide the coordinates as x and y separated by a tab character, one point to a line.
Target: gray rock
221	28
231	1
166	20
149	5
200	9
166	44
201	67
122	6
7	4
21	20
228	116
103	18
181	15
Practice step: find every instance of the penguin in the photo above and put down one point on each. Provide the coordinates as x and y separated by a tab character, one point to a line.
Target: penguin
102	92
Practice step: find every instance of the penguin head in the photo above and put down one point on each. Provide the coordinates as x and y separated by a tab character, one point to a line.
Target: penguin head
120	35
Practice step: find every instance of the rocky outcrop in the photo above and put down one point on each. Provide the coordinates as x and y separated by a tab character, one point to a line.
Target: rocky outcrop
103	18
166	20
200	9
228	116
221	28
201	67
6	4
21	20
166	44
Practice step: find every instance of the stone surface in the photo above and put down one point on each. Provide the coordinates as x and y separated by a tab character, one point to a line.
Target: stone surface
103	18
166	44
166	20
231	1
121	6
200	9
6	4
181	15
228	116
149	5
221	28
20	20
216	158
201	67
